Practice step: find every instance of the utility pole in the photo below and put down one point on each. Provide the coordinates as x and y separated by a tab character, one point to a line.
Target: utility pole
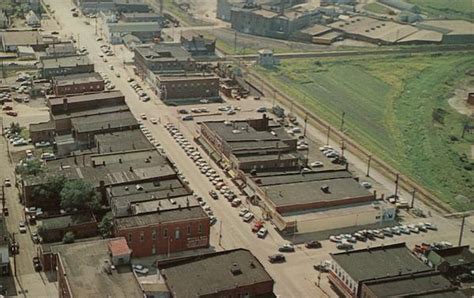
342	120
305	124
329	132
220	234
343	146
413	198
462	229
235	42
396	185
368	166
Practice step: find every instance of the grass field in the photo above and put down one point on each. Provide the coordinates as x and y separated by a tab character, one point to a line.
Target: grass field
446	8
397	108
376	8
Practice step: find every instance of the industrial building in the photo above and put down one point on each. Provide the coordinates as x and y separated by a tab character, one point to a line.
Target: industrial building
188	86
270	23
11	40
453	31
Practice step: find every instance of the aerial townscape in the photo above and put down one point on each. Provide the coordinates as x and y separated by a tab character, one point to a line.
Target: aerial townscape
237	148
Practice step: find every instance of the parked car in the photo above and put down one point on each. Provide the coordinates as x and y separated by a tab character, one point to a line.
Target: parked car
313	244
345	245
248	216
187	118
243	211
140	269
37	264
236	203
22	227
262	233
288	247
316	164
7	182
12	113
213	194
143	116
323	266
277	258
366	184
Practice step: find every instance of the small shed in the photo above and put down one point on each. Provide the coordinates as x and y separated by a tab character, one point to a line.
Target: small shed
265	57
119	251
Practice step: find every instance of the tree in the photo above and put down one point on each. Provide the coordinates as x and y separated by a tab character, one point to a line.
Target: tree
69	238
79	194
30	167
15	127
105	226
49	191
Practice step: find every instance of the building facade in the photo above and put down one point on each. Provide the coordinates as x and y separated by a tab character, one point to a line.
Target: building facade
188	87
78	83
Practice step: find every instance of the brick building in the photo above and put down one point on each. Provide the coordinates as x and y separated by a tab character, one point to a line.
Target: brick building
162	58
57	66
255	144
231	273
189	86
77	83
158	217
43	131
53	229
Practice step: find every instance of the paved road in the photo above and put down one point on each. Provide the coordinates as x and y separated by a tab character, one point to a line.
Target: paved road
293	279
296	278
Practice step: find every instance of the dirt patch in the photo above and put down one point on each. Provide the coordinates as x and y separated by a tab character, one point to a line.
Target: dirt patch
459	100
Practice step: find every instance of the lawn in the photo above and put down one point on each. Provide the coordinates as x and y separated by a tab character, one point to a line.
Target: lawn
397	108
376	8
452	9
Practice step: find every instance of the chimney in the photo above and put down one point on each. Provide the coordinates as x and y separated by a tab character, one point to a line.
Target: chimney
103	162
131	169
120	160
65	104
93	163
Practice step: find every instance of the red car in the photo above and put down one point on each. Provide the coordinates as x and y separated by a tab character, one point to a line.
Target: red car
7	108
12	113
258	224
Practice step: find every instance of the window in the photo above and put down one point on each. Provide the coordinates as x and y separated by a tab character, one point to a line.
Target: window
176	233
189	229
153	234
129	237
165	233
200	229
142	236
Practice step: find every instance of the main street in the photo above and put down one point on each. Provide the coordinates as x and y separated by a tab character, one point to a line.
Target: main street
296	277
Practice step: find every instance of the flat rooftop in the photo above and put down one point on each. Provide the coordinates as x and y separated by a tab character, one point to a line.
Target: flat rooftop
94	123
310	191
122	141
410	285
134	27
52	101
449	27
186	76
217	276
80	78
97	111
60	222
240	131
112	168
70	61
84	269
173	215
384	30
316	29
163	52
383	261
276	178
21	38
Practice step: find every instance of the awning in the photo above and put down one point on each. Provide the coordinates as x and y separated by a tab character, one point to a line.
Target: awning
232	173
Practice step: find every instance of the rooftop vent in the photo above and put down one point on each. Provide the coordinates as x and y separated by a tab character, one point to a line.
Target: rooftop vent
235	269
139	187
325	188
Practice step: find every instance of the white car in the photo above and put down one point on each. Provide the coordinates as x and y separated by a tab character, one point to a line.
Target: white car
248	216
22	227
262	233
243	211
316	164
143	116
153	120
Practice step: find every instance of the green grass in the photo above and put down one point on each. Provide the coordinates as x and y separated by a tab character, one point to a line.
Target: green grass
452	9
376	8
388	104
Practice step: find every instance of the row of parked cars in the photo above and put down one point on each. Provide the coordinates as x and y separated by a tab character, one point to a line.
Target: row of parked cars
138	89
332	154
108	84
346	241
204	167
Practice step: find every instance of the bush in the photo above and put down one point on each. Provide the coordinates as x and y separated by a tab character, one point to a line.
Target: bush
68	238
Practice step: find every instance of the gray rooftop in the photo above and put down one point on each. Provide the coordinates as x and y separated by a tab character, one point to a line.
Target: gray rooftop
239	132
134	27
122	141
210	274
119	168
83	265
267	179
21	38
59	100
97	111
64	221
409	285
80	78
163	52
383	261
35	127
70	61
172	215
106	121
